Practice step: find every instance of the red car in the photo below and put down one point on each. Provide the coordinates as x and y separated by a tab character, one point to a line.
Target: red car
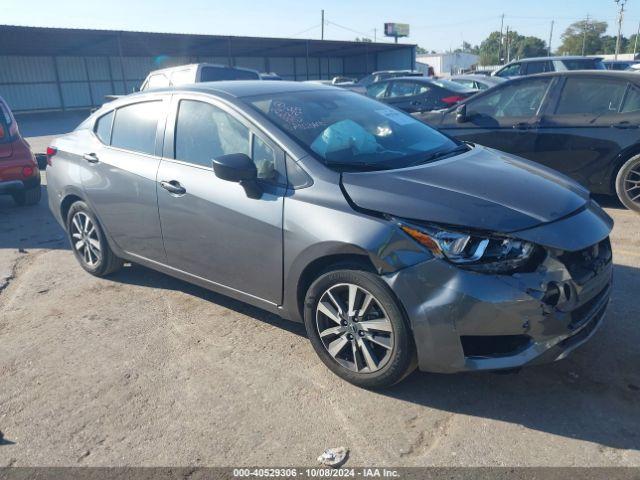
19	173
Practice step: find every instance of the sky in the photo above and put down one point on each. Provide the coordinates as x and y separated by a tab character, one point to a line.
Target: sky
435	24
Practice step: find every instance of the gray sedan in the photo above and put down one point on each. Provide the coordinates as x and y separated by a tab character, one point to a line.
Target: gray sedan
395	245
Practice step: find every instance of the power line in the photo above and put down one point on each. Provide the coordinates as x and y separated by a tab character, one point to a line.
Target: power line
305	31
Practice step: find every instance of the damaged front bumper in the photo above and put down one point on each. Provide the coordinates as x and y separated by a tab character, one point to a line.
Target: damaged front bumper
463	320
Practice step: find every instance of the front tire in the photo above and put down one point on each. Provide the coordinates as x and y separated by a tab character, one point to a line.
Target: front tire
89	243
628	184
28	197
358	329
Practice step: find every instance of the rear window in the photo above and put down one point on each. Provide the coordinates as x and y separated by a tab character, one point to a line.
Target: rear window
135	126
5	121
215	74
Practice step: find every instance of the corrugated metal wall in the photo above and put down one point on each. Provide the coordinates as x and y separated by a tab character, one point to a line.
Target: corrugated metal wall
30	83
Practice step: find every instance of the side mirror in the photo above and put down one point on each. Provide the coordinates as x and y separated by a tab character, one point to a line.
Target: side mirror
239	168
461	114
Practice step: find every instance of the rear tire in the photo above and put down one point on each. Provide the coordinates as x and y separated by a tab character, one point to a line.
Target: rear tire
367	341
628	184
89	243
28	197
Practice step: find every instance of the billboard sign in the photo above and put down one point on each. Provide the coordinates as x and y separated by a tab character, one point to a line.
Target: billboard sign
396	30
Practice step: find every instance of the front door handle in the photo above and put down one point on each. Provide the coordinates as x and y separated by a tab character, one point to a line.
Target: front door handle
624	125
524	126
91	157
173	187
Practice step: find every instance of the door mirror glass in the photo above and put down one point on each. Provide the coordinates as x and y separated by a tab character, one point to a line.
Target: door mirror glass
235	167
461	113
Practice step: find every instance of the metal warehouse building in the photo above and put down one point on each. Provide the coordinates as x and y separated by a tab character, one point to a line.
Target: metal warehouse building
60	69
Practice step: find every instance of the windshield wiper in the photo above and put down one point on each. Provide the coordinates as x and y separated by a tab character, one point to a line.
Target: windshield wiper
442	154
356	166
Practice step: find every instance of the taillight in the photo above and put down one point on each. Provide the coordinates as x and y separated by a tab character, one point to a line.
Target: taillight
27	171
50	153
452	99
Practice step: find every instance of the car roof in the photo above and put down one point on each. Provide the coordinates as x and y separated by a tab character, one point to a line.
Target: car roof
480	78
241	88
196	65
621	74
560	57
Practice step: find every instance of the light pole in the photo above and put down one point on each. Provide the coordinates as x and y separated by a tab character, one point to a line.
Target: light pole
619	3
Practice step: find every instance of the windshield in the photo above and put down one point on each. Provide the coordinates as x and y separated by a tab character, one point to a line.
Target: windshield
348	131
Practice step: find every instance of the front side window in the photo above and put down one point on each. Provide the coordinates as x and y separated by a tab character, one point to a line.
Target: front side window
5	121
632	100
135	127
584	95
510	71
103	127
348	131
157	81
204	132
377	90
584	64
521	99
265	159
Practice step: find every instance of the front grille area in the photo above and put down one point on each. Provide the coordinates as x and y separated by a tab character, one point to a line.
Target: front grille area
493	345
584	265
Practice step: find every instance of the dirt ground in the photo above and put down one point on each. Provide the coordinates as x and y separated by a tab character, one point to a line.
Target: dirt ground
142	369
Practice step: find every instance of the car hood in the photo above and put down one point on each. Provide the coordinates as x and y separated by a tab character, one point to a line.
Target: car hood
482	189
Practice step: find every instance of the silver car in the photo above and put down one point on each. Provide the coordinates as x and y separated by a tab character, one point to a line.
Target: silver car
395	245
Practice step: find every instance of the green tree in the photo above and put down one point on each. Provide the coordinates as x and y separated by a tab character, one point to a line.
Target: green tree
588	32
421	51
527	47
489	49
631	44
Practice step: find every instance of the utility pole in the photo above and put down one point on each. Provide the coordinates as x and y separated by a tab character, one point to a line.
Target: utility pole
584	34
501	39
507	45
620	3
635	45
550	37
375	35
322	23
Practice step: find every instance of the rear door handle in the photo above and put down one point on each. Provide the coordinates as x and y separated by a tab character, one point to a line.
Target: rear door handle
173	187
91	157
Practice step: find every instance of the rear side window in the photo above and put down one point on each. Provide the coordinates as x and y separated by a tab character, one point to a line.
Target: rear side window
584	64
520	99
404	89
204	132
214	74
103	127
5	121
135	127
182	77
584	95
538	67
632	100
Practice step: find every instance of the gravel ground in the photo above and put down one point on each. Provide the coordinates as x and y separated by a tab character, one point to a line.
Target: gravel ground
144	370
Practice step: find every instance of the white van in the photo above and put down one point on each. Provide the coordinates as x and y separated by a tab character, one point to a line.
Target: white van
195	73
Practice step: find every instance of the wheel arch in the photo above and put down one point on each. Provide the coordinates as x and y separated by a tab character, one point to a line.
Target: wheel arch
623	157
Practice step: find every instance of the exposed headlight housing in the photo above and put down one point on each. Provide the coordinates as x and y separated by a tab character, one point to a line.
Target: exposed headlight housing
490	254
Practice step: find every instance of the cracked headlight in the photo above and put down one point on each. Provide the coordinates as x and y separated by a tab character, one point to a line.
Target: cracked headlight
490	254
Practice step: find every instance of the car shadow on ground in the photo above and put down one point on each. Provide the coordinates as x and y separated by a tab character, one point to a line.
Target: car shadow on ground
609	201
594	395
31	227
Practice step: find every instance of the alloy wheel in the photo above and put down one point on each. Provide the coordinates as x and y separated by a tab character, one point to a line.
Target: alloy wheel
632	184
354	328
85	239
